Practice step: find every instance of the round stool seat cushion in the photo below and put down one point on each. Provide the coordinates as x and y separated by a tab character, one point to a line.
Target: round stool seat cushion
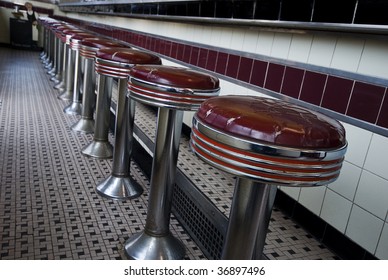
75	40
269	140
90	46
127	55
117	62
274	121
171	87
175	77
99	43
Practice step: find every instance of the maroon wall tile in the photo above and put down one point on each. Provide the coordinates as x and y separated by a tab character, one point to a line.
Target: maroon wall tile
365	102
259	70
211	60
174	50
337	93
245	69
382	119
292	81
232	67
167	48
159	48
179	51
274	78
202	57
194	56
222	60
312	88
186	54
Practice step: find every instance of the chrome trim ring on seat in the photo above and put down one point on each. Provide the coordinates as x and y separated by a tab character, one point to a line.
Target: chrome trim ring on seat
112	69
266	163
87	52
166	96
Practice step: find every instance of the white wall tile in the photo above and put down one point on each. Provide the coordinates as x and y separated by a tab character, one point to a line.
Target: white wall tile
364	228
358	144
372	194
250	41
300	48
215	39
312	198
382	247
336	210
237	40
226	38
377	158
374	59
206	36
322	50
188	118
291	192
347	182
200	35
264	43
281	45
347	54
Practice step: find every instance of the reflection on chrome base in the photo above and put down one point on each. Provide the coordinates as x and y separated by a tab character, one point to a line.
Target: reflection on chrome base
120	188
143	246
99	149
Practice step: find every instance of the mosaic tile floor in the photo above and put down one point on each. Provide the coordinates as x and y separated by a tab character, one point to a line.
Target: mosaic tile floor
48	205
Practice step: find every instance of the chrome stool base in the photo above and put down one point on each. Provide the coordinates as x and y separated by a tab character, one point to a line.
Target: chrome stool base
67	95
74	108
98	149
84	125
143	246
119	188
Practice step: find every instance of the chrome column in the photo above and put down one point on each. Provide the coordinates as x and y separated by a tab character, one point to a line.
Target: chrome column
100	146
119	184
156	241
248	219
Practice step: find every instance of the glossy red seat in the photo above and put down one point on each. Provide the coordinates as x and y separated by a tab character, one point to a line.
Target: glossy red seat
265	143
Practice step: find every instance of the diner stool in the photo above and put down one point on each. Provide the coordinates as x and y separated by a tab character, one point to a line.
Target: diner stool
49	62
67	92
265	143
100	147
61	83
59	57
173	90
87	51
116	63
75	107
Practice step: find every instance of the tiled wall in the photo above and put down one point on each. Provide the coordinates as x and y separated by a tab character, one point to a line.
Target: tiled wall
344	74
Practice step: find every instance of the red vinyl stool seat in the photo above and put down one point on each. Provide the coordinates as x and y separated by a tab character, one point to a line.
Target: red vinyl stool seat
117	63
173	90
266	143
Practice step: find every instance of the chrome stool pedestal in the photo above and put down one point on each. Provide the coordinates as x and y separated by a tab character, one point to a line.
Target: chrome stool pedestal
67	92
265	143
116	63
86	123
100	147
61	83
173	90
75	106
